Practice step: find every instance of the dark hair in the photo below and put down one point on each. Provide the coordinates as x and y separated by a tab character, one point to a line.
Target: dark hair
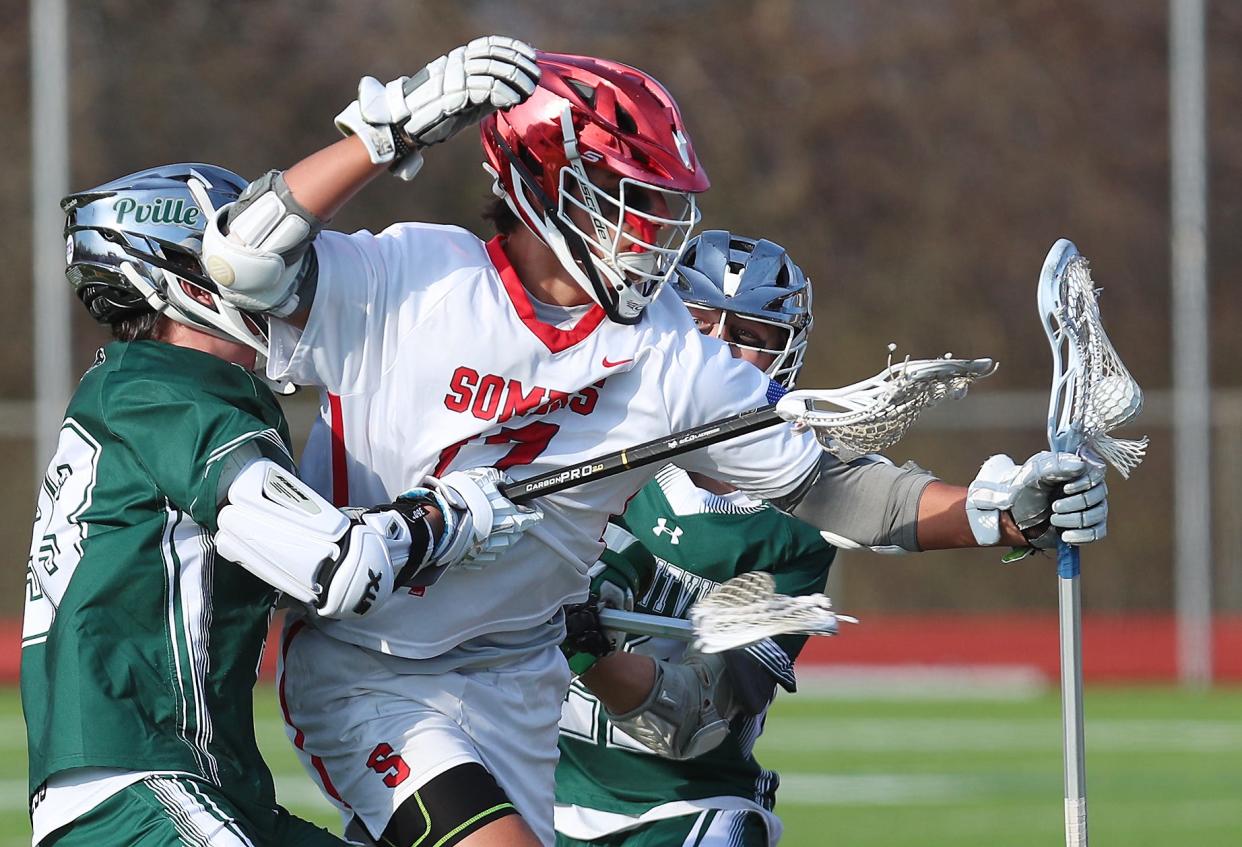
144	326
501	216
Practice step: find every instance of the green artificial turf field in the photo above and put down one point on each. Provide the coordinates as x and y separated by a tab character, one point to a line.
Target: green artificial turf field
1164	768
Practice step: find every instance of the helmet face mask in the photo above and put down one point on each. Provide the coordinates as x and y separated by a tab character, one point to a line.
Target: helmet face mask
132	246
786	356
596	163
753	279
634	234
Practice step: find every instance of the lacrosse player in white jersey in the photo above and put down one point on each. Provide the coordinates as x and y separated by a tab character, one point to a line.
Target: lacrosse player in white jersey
434	720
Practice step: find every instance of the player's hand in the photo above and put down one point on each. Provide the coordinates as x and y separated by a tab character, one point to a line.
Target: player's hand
1052	497
480	523
586	640
395	121
615	580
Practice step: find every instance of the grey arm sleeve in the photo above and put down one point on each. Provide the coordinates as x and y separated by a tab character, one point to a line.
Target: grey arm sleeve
869	502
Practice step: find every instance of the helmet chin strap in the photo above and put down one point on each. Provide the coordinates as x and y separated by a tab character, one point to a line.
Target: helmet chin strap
183	311
145	287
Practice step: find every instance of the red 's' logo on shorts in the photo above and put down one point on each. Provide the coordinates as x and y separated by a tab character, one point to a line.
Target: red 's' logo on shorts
384	761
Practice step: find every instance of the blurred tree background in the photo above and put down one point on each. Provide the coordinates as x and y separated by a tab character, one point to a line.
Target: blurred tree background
918	158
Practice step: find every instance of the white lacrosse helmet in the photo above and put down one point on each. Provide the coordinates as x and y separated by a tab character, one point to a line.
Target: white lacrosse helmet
132	242
753	279
596	114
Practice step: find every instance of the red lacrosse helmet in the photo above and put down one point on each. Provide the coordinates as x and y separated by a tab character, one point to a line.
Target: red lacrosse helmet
604	116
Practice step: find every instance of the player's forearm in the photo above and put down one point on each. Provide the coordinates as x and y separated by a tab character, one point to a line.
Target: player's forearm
326	179
621	681
943	525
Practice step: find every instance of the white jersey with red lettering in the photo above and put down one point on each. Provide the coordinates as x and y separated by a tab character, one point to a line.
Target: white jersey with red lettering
433	359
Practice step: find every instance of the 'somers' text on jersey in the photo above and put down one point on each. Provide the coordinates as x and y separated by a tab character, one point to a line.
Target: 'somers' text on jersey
434	360
140	647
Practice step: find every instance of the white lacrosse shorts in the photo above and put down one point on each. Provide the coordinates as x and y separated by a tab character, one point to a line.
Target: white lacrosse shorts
370	738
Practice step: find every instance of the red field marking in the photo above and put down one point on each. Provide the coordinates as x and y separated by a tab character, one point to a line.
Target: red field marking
1116	648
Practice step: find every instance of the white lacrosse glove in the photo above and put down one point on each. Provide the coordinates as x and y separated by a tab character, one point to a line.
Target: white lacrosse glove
687	711
480	523
1053	496
395	121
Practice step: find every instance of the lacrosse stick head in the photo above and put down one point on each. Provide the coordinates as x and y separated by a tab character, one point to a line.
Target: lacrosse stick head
1092	392
873	415
747	609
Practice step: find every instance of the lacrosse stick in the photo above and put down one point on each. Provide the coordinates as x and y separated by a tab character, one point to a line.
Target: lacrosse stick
741	611
865	417
869	416
1092	393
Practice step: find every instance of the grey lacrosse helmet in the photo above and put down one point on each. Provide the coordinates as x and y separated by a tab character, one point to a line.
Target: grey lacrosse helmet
130	243
751	278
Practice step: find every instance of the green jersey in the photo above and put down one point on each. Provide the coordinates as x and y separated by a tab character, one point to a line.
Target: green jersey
699	540
140	647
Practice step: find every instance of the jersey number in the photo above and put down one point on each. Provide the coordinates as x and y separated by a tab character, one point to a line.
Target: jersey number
66	492
528	442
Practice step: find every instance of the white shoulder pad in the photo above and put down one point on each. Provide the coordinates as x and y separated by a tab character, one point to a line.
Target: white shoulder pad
254	248
279	529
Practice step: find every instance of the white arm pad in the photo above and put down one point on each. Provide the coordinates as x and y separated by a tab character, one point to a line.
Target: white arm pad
279	529
258	261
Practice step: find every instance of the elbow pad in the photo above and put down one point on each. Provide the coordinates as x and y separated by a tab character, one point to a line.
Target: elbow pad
687	711
255	249
279	529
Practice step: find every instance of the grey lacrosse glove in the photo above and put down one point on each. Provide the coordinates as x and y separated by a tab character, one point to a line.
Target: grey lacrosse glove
395	121
1052	497
687	711
480	523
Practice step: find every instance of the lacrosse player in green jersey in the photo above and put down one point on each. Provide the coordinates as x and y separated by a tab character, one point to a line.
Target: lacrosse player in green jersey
637	777
168	522
660	752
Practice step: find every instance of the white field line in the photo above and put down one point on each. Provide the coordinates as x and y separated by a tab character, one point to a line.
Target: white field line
806	734
922	682
13	731
296	791
790	734
873	789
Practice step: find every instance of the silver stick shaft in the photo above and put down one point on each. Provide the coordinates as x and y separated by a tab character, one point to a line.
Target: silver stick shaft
636	623
1069	601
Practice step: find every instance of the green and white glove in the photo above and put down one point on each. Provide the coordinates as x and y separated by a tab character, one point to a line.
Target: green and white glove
622	573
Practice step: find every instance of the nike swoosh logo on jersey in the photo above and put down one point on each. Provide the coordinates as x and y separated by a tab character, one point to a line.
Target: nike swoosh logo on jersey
609	364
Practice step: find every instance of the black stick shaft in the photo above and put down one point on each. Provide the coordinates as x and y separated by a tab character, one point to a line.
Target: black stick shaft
657	450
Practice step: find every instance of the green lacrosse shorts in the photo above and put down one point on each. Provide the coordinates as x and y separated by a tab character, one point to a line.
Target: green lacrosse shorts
175	811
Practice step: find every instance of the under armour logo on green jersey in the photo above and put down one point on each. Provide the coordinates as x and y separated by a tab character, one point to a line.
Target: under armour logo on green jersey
662	527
